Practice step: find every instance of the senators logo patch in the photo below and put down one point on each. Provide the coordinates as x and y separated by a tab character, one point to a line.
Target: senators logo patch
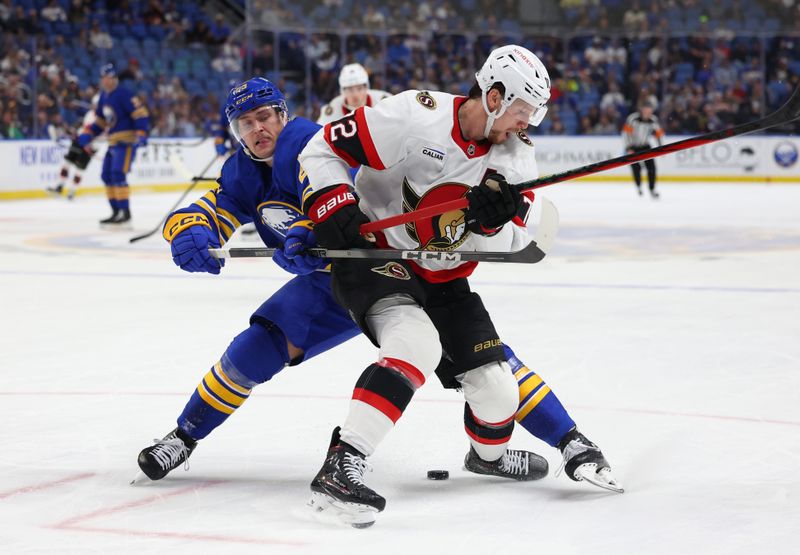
328	110
393	270
524	137
444	232
426	100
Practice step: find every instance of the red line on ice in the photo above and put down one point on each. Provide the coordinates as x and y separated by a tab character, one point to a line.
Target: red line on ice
177	535
133	504
46	485
74	523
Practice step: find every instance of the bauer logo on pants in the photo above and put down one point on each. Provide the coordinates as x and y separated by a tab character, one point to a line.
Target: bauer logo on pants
393	270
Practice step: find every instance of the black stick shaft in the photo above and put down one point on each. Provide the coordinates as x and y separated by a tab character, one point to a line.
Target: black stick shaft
787	113
195	180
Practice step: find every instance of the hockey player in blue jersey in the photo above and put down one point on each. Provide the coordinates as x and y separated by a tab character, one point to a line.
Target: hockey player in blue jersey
219	130
263	183
125	118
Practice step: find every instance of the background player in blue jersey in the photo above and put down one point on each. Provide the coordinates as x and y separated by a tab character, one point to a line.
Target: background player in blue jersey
219	130
223	143
122	114
263	183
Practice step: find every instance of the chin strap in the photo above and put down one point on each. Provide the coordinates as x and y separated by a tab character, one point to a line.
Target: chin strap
491	116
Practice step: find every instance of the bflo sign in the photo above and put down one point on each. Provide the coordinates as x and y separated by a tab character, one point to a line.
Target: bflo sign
724	155
746	158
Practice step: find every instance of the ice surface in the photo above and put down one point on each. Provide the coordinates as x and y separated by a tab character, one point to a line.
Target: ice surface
670	329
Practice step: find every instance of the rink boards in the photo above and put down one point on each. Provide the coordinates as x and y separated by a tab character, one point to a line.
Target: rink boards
169	163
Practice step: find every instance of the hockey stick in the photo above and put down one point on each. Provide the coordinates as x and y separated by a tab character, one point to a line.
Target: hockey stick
528	255
534	252
194	181
787	113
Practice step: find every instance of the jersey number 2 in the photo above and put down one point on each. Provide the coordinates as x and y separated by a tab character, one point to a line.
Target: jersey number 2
344	129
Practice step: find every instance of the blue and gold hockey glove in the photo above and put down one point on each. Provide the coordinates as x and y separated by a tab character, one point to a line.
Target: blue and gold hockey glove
221	149
293	256
83	140
190	250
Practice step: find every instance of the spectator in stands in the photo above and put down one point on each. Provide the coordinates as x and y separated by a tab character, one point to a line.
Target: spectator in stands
26	24
10	127
6	10
219	30
153	13
596	52
229	59
200	34
373	19
133	72
53	12
635	19
99	37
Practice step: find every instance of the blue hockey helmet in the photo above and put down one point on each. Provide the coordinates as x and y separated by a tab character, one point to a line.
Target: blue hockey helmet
253	93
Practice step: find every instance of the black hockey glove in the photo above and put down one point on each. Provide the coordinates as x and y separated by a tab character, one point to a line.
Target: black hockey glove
78	155
491	204
337	219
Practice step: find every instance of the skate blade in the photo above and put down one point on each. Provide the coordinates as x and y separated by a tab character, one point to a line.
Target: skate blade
602	478
127	226
139	479
328	509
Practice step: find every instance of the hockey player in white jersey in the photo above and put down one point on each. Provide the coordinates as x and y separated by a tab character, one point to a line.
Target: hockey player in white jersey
77	158
354	93
418	149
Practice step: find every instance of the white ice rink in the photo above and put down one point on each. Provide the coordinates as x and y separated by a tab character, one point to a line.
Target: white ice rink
669	329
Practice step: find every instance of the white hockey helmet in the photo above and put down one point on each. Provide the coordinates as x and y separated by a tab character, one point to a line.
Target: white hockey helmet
524	77
352	75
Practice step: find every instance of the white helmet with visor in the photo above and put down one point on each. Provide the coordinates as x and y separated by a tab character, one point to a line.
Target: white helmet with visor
524	77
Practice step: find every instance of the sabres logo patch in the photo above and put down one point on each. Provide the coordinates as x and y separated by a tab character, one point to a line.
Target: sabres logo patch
524	137
426	100
393	270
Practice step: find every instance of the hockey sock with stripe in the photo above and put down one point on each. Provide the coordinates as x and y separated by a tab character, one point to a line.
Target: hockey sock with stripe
540	412
382	393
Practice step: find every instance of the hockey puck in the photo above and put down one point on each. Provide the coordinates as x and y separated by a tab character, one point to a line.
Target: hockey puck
438	475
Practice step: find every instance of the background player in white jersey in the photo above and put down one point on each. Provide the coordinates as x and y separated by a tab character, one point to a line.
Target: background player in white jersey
418	149
355	93
77	157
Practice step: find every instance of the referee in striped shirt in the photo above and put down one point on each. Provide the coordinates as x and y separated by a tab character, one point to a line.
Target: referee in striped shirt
636	133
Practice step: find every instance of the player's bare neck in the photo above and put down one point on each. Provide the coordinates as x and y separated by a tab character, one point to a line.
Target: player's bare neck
472	120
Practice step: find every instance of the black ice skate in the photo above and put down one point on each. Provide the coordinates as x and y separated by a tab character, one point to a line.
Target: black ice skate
514	464
55	189
583	460
119	219
339	489
166	455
